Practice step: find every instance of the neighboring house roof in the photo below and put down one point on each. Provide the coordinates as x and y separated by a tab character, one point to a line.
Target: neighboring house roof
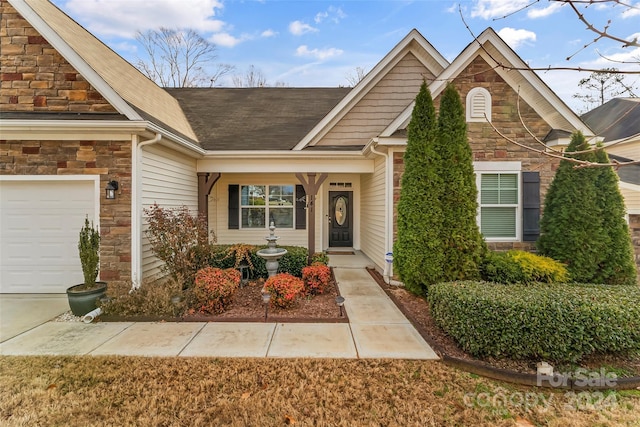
616	119
255	118
630	173
532	89
126	88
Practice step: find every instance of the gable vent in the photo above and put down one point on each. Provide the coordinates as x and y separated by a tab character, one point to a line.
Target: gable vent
478	105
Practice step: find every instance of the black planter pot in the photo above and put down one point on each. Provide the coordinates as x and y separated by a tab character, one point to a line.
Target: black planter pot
84	301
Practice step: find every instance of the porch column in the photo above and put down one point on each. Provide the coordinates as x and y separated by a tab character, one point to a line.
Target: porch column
206	181
311	187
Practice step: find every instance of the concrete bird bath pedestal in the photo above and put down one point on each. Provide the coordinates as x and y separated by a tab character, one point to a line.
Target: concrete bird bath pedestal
271	254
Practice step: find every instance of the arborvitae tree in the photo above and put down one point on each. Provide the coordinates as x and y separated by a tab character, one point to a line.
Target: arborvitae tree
463	244
617	266
417	254
571	227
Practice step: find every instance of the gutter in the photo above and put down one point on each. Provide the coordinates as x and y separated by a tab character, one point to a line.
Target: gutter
388	202
136	208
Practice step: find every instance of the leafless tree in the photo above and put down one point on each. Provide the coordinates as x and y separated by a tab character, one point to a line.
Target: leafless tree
602	86
179	58
254	77
356	76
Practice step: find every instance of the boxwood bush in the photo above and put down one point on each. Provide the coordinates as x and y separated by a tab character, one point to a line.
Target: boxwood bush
292	262
556	322
521	267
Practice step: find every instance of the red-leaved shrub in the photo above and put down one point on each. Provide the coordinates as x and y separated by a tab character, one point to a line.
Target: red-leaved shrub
316	277
214	290
284	289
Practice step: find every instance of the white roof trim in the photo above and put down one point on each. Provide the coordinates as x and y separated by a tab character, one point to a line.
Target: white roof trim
75	60
466	56
375	75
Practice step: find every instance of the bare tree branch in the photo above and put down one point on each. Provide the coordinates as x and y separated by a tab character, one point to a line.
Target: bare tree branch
501	65
356	76
179	58
254	77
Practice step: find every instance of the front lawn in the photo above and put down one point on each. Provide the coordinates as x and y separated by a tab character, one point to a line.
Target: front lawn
133	391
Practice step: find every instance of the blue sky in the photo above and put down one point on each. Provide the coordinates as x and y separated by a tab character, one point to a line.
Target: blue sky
320	43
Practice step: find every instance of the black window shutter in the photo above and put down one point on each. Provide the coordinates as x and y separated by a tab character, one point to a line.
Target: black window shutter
234	206
301	212
530	206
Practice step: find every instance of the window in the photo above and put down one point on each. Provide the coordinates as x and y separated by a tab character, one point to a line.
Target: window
262	204
499	201
478	105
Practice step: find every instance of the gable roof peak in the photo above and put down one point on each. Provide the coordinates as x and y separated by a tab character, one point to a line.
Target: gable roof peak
415	43
119	82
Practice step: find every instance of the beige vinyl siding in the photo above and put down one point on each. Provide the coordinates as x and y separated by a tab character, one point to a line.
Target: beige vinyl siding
219	208
169	179
373	113
372	204
626	150
631	194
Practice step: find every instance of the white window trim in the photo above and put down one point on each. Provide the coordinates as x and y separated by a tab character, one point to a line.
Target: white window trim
471	113
266	207
500	168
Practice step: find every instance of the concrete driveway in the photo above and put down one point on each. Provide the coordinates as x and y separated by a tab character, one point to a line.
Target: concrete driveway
22	312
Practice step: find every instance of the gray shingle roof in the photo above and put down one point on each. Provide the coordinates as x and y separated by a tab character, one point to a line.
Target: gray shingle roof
255	118
616	119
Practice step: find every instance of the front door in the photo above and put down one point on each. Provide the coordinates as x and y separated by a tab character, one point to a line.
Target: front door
340	219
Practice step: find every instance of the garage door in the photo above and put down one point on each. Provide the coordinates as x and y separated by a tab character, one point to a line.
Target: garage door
39	226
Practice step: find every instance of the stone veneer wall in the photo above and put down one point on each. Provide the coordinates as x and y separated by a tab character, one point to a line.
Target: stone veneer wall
35	77
110	160
486	144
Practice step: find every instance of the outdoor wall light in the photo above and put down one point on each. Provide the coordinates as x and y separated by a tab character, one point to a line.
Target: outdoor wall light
110	190
340	302
266	297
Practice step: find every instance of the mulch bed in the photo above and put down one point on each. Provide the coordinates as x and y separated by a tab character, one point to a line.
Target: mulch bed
248	307
416	309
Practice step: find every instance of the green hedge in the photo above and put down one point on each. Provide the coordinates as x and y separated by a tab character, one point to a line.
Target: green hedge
556	322
521	267
292	262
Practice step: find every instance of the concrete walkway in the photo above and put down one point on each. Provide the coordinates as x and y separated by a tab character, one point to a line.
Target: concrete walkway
377	329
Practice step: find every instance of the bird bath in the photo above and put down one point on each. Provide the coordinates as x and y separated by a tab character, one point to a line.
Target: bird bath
271	254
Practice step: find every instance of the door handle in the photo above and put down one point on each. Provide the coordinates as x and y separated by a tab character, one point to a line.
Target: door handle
329	218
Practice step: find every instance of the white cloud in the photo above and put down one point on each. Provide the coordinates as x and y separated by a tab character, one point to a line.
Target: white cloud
488	9
123	18
227	40
319	54
268	33
632	11
515	38
333	14
298	28
545	11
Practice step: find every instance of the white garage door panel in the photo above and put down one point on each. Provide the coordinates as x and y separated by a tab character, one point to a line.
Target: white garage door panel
40	222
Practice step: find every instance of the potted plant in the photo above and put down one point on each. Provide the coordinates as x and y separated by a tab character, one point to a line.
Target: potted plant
83	297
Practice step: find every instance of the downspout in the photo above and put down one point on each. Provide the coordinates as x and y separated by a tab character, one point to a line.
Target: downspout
388	203
136	209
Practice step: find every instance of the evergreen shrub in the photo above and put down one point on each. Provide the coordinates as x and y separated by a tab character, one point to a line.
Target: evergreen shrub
521	267
555	322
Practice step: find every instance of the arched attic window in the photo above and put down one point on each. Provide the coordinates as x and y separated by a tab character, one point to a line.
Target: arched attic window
478	105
